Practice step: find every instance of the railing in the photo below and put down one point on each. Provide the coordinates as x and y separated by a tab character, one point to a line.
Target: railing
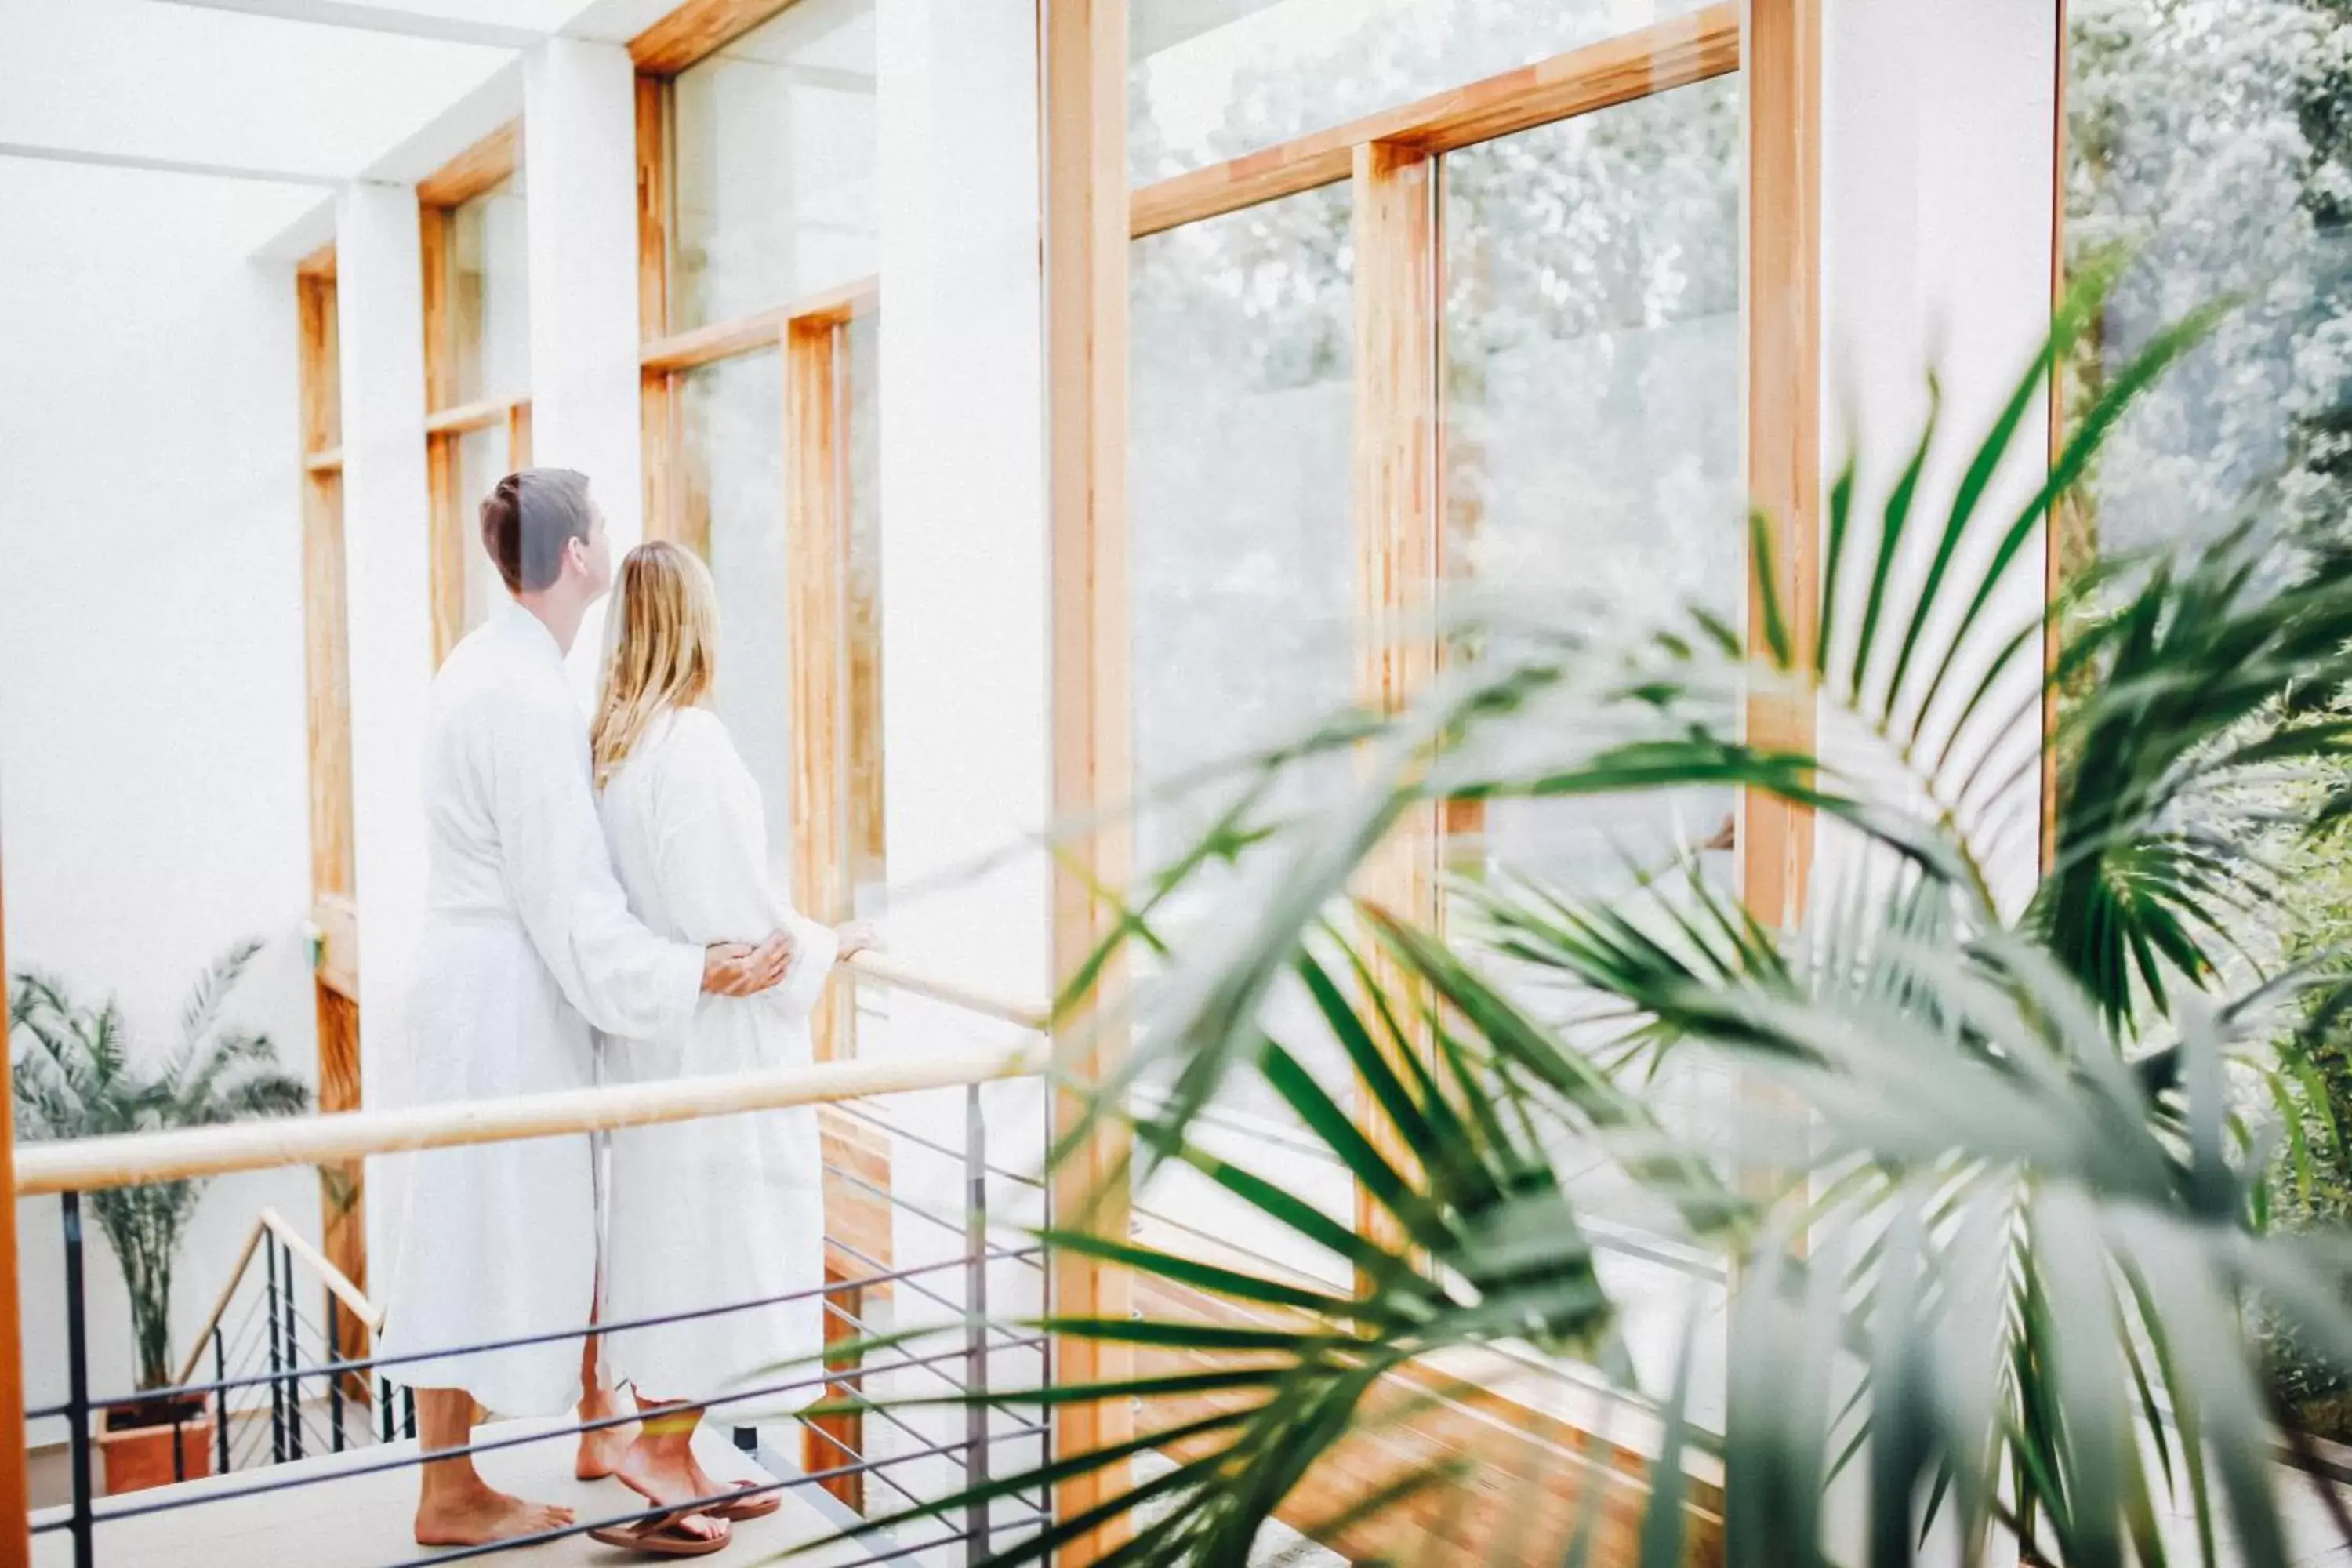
217	1376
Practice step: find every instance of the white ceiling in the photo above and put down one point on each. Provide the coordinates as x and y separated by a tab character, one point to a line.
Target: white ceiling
276	100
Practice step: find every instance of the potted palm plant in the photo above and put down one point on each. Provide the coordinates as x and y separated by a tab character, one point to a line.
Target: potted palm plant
80	1074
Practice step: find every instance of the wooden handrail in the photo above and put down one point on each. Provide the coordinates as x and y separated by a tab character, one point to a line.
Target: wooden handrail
271	1223
93	1164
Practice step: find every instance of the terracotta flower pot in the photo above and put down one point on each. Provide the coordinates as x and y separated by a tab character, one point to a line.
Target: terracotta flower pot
136	1445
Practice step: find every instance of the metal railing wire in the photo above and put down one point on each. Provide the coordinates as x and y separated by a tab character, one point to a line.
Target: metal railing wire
283	1382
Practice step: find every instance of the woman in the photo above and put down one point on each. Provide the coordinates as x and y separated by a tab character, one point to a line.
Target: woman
703	1214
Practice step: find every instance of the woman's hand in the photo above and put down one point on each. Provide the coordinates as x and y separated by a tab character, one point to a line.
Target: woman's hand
856	937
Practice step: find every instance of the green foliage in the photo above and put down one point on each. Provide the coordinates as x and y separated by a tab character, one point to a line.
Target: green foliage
78	1074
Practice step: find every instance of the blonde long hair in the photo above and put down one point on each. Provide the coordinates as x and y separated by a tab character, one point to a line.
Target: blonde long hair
662	652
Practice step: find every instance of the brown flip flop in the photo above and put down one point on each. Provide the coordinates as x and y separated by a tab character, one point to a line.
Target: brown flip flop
664	1535
757	1505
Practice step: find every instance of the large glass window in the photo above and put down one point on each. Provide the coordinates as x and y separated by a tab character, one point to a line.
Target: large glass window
773	193
1213	79
2211	143
731	444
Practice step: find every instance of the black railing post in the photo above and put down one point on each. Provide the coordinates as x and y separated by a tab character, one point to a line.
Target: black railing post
408	1408
85	1546
975	1165
384	1406
293	1360
220	1397
334	1378
277	1360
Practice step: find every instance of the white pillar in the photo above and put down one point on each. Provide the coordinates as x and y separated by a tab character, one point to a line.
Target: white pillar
1938	124
1939	119
381	312
580	179
965	592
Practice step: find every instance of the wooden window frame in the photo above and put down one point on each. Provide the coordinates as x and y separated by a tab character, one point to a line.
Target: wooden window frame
479	168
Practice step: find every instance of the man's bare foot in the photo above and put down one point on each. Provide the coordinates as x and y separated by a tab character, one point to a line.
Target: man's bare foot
478	1516
601	1450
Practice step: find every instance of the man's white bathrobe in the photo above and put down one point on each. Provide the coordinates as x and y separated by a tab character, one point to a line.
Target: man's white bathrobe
528	942
728	1210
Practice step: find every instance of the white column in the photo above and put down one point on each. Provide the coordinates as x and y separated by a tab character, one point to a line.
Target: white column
580	176
1938	124
966	725
381	315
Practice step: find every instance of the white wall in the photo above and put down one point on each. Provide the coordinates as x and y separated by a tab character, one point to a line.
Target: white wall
1937	164
1938	120
154	795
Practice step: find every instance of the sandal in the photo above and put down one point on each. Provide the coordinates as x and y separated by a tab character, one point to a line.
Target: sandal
757	1504
664	1535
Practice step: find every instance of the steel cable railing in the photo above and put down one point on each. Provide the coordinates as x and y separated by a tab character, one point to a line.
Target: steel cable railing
302	1365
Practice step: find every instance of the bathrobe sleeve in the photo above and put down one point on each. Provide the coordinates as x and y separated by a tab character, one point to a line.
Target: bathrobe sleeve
621	977
712	851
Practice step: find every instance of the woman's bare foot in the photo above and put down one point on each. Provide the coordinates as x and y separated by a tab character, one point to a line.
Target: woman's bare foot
601	1450
665	1471
475	1516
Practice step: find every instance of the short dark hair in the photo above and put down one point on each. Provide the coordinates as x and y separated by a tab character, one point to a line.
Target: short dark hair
528	519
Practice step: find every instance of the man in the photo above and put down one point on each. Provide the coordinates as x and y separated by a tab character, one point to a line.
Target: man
529	942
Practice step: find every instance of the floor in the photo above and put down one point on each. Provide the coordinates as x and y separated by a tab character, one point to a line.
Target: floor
363	1521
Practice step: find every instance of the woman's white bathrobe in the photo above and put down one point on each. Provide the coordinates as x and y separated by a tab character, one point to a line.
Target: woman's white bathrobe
527	942
727	1210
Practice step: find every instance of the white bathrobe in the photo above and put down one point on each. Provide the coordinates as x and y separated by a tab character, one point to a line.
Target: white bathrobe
528	940
729	1210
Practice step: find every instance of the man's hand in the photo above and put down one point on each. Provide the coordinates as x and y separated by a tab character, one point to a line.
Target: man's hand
732	969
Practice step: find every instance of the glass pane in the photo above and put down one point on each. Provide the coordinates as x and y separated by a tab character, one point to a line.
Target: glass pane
731	419
1592	406
2191	141
773	170
489	303
1243	556
481	464
1212	80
